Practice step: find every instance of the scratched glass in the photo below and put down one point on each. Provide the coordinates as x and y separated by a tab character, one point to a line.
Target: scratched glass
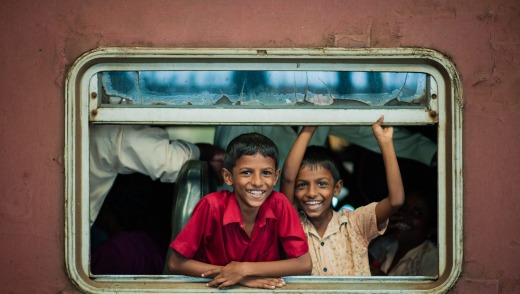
279	88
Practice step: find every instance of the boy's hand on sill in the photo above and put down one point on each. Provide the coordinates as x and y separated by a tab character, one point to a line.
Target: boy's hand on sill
231	274
263	283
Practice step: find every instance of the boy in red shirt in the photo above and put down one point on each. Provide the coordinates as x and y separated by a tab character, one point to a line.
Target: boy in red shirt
235	237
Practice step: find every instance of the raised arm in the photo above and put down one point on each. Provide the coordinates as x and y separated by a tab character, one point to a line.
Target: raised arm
386	207
292	162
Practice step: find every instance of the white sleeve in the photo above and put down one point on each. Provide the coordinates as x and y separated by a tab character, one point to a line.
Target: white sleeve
149	151
102	172
125	149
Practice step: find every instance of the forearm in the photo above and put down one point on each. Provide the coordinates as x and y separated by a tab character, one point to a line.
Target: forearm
395	197
292	162
393	176
289	267
178	264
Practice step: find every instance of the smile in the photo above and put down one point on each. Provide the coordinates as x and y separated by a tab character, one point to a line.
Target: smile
313	205
402	226
256	193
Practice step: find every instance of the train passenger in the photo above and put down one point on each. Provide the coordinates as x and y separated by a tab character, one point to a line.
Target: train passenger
234	237
408	145
126	149
408	248
338	241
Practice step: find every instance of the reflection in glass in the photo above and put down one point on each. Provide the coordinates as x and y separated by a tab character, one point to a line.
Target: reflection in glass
264	88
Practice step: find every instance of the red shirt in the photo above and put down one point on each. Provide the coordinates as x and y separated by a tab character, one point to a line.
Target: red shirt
214	233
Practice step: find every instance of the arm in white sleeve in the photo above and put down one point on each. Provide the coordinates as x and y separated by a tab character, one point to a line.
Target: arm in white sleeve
408	145
149	151
125	149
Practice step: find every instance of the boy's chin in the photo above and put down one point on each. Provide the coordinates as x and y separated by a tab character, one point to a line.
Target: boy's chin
313	214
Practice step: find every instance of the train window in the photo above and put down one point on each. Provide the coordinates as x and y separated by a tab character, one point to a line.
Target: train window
208	95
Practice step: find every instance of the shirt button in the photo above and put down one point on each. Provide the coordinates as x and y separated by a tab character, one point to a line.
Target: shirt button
322	243
325	269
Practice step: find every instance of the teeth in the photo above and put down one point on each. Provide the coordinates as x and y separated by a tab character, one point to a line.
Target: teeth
313	202
403	226
256	192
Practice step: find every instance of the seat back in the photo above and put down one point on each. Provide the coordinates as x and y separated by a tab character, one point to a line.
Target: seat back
191	185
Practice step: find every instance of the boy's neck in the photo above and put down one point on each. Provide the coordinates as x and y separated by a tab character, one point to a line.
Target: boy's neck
321	224
249	214
248	219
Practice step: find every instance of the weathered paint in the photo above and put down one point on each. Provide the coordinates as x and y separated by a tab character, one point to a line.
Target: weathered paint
40	40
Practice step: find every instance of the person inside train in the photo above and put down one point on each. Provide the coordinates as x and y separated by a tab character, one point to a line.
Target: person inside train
234	237
132	171
408	248
338	241
126	149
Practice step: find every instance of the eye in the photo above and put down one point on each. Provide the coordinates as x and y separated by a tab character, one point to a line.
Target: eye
245	172
267	173
301	185
322	184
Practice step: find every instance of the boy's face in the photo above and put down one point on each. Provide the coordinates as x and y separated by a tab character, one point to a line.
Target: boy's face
414	221
314	190
253	178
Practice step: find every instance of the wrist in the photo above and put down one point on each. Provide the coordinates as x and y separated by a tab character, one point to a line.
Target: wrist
386	145
247	269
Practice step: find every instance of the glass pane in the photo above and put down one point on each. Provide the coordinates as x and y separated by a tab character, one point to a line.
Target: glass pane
264	88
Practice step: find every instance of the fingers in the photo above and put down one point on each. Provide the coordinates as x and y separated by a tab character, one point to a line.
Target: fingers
220	282
211	273
378	123
217	281
271	283
263	283
226	284
252	282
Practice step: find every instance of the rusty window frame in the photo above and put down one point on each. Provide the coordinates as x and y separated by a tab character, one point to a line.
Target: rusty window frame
82	109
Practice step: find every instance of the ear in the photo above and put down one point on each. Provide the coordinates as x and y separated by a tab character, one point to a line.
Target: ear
227	176
337	187
277	176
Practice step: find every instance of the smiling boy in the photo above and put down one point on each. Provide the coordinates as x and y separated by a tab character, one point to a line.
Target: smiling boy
338	241
235	237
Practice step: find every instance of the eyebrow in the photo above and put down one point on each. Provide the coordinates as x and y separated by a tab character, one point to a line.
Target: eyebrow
250	168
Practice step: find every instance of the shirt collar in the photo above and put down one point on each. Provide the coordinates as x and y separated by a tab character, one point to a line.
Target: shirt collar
337	220
232	213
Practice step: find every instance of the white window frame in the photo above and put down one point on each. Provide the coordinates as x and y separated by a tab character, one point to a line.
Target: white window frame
82	109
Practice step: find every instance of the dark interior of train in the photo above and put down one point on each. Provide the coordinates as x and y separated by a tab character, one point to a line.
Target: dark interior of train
140	216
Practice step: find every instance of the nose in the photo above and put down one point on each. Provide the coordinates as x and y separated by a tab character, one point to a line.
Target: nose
256	180
399	216
313	191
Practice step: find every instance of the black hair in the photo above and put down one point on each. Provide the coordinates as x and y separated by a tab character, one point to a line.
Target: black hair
318	156
249	144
